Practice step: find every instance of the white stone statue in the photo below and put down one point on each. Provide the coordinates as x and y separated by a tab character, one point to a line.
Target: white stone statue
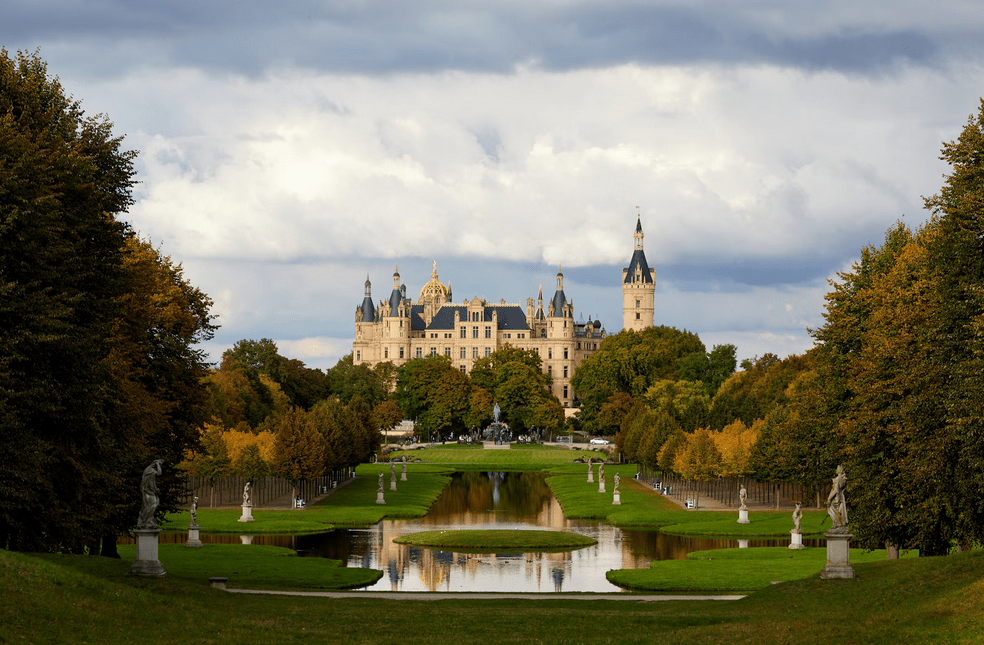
150	496
194	511
601	472
380	483
248	494
742	495
495	413
797	516
617	480
836	502
393	469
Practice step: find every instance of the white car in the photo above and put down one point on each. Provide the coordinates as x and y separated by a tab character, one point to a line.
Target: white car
600	442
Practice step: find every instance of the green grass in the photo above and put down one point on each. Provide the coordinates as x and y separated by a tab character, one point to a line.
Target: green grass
918	600
518	457
498	539
247	566
641	507
733	569
353	504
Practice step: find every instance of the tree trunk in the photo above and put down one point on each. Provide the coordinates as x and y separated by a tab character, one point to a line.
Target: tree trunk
109	547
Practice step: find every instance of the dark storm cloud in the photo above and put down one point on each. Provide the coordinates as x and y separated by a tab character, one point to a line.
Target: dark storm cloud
389	36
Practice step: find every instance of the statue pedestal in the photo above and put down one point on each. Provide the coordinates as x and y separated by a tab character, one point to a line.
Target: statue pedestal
838	555
193	536
617	501
797	542
393	483
403	475
379	497
147	564
742	544
743	516
590	477
601	486
246	539
247	515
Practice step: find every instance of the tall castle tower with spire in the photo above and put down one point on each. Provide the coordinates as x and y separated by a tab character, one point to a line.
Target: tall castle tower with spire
638	288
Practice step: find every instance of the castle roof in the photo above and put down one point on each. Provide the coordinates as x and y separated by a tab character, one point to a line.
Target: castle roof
638	262
510	317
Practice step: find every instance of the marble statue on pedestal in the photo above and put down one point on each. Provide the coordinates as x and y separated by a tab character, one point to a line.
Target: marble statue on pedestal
194	512
798	516
248	494
742	495
617	480
150	496
836	502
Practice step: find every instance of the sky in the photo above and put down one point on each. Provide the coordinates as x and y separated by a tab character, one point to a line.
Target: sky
288	150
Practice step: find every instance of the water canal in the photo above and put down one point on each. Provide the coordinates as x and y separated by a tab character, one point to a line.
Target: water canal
498	500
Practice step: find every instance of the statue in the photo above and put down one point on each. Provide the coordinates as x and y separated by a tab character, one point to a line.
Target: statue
742	495
194	511
150	494
797	516
393	469
380	491
617	480
495	413
248	494
836	503
601	472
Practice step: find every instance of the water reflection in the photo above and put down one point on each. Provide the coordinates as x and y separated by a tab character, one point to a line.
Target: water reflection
501	501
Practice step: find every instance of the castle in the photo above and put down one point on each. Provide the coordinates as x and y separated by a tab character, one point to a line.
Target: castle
398	329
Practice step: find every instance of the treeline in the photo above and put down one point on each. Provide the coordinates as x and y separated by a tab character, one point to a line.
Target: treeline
892	390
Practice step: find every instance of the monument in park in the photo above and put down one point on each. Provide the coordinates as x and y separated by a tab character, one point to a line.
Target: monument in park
797	532
392	476
403	473
147	532
617	499
601	478
743	509
590	471
379	492
247	515
193	539
839	536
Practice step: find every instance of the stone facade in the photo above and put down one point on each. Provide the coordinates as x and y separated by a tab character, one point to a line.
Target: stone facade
398	329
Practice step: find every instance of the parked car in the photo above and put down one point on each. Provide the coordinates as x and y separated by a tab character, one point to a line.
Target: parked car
600	442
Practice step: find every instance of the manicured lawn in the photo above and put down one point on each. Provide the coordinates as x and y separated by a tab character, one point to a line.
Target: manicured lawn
497	539
917	600
642	507
353	504
517	457
733	569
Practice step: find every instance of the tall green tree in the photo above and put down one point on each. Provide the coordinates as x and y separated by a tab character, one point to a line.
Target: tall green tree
98	371
299	449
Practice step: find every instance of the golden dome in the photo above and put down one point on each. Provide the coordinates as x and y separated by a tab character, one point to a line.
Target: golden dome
434	288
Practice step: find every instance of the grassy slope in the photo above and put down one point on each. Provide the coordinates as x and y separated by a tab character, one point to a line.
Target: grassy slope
518	457
920	600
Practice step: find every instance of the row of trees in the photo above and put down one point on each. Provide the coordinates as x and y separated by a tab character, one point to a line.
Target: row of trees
99	371
892	389
442	399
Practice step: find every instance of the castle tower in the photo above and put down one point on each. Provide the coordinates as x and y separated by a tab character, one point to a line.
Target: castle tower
638	288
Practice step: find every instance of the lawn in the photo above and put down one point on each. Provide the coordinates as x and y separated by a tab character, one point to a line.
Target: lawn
517	457
917	600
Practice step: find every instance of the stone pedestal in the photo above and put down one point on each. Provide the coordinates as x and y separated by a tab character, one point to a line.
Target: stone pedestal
838	556
147	564
797	542
743	516
247	515
601	485
590	476
379	497
393	483
617	501
742	544
246	539
403	475
193	536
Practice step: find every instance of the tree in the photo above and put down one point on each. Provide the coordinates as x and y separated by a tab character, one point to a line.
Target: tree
299	450
212	460
98	371
711	368
698	459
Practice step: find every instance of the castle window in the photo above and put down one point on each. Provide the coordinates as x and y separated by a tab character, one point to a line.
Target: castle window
447	352
488	332
565	391
638	304
461	368
550	352
474	332
401	352
549	370
358	356
386	352
420	352
474	352
488	352
565	353
464	332
637	315
462	353
565	371
433	351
